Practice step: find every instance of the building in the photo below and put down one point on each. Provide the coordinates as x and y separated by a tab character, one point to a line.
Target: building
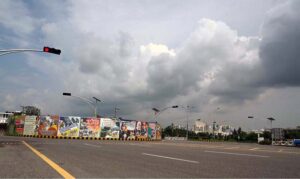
4	117
200	127
224	130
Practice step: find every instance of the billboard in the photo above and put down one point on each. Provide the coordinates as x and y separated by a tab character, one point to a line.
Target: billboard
89	127
127	129
152	130
158	131
48	125
68	126
30	125
19	122
110	128
141	131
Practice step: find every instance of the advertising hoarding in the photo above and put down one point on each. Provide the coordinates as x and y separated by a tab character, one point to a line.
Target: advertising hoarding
48	125
89	127
30	125
68	126
152	130
158	132
19	122
110	128
127	129
141	130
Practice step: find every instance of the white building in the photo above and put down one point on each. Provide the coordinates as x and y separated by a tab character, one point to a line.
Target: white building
224	130
4	117
200	127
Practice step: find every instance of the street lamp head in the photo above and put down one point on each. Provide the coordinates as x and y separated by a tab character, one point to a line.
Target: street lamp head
155	109
271	119
176	106
97	99
67	94
250	117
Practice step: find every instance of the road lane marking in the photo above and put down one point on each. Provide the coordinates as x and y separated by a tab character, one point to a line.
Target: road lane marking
92	145
56	167
160	156
232	148
228	153
141	145
254	149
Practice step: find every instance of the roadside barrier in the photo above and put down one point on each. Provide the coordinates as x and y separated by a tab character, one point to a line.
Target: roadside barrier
83	138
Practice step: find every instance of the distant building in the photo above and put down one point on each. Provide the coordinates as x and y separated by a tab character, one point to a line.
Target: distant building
200	127
224	130
4	117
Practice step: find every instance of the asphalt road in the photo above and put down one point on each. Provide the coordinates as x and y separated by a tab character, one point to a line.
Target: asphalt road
134	159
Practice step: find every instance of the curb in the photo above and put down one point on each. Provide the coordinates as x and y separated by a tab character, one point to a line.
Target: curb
81	138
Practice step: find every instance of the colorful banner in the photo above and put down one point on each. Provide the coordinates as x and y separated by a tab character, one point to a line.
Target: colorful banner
19	122
127	129
158	132
89	127
48	125
69	126
152	130
110	128
30	126
142	130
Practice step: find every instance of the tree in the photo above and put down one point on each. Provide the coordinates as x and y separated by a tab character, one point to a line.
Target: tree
31	110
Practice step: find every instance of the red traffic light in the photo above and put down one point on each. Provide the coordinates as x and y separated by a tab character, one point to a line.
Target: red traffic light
52	50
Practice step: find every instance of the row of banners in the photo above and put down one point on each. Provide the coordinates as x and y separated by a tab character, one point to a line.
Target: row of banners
73	126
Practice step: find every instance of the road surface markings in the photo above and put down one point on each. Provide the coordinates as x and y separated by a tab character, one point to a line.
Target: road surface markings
280	150
160	156
228	153
232	148
141	145
56	167
92	145
254	149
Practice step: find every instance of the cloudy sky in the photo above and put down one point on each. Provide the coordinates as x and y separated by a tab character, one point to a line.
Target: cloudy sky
228	59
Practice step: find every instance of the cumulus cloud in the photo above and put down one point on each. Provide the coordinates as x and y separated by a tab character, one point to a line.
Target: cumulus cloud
213	65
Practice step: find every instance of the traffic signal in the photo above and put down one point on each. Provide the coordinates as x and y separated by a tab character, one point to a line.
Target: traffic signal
52	50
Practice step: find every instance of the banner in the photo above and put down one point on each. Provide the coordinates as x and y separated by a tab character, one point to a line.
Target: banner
30	126
69	126
152	130
89	127
141	130
158	132
110	128
127	129
20	120
48	125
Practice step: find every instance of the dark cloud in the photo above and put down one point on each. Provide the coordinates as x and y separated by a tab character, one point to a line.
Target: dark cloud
279	49
278	63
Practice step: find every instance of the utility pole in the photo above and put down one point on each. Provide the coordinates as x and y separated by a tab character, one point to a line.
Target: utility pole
116	109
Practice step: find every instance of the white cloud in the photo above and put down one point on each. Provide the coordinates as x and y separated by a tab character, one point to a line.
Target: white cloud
101	57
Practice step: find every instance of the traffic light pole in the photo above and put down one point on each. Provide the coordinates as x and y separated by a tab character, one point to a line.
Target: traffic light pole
9	51
45	49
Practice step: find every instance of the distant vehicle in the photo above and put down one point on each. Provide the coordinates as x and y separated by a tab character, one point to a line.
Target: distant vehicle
297	142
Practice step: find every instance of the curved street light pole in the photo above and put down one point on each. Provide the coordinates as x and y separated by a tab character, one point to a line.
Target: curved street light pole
157	112
271	119
187	110
86	100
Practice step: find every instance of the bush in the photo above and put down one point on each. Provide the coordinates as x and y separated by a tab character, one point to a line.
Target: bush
265	142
